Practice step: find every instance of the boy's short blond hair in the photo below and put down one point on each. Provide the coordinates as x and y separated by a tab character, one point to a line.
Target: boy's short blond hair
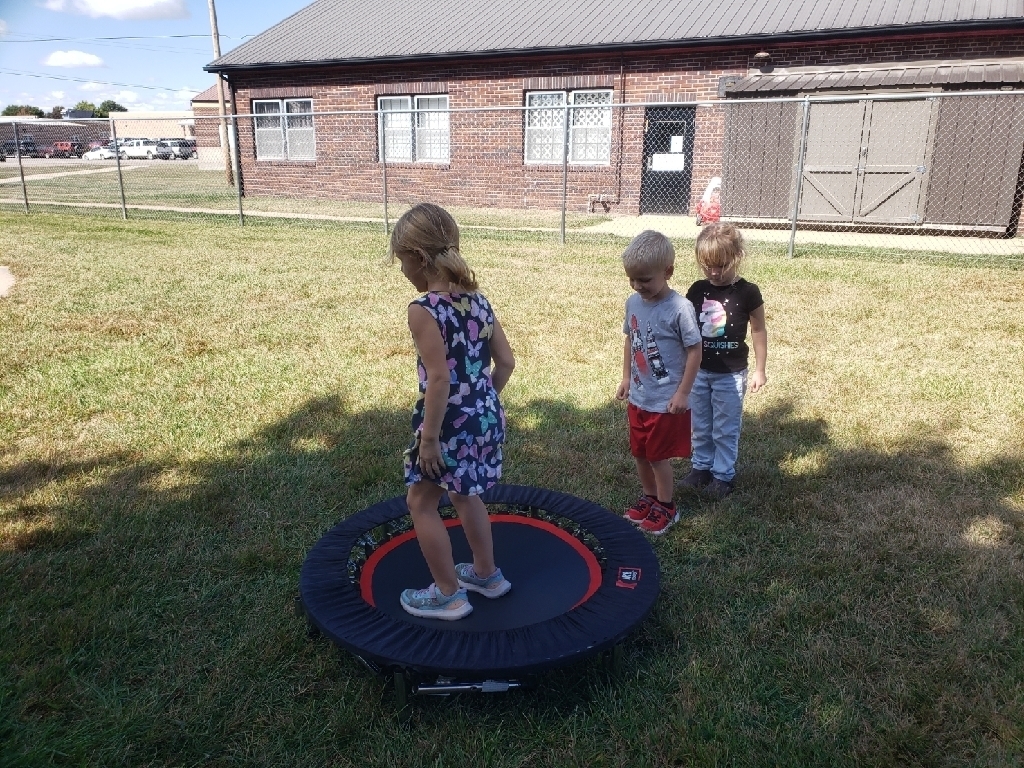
720	245
649	250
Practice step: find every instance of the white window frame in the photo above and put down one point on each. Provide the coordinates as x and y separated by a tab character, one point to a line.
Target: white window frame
414	129
590	130
285	133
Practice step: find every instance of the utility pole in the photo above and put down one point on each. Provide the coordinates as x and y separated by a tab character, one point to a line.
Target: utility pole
222	128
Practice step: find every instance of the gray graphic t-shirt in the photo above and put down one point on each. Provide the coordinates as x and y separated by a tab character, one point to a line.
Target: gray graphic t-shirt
659	332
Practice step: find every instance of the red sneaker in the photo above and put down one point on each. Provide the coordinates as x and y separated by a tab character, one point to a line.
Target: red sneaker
640	510
660	519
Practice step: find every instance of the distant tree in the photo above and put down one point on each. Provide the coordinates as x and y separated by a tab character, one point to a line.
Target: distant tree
56	113
108	106
85	106
15	110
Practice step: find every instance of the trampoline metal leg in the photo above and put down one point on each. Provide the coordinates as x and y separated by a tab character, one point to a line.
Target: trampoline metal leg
614	660
312	632
402	693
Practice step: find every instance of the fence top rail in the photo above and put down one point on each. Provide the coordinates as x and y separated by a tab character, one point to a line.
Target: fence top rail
710	103
635	104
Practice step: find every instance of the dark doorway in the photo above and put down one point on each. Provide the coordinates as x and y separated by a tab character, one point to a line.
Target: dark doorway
668	159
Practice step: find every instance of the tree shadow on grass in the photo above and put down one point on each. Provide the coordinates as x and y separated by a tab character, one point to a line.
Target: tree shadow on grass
844	605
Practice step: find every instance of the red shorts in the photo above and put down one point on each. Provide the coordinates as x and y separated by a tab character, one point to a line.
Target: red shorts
658	436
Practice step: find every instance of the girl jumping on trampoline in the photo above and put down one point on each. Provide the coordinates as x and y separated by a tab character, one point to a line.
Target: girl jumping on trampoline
458	422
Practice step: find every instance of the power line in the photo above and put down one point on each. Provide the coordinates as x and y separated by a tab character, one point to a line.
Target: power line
99	82
120	37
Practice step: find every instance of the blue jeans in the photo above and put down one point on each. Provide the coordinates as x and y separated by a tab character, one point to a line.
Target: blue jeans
716	402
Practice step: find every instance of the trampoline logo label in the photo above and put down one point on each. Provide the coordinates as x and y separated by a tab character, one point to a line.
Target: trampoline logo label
628	577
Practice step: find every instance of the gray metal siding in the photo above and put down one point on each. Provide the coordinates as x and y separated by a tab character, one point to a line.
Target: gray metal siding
759	158
976	161
363	30
897	76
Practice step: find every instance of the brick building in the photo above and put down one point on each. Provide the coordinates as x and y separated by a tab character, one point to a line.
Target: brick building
406	72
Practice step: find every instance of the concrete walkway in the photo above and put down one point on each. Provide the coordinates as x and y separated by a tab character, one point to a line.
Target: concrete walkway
6	281
682	227
685	227
90	171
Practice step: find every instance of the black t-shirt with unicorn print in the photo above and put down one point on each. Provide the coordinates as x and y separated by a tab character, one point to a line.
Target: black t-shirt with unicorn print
723	314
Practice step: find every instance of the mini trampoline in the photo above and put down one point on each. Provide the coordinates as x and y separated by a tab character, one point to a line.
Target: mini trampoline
582	580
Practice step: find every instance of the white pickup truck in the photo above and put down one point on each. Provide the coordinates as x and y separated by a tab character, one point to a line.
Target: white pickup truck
139	149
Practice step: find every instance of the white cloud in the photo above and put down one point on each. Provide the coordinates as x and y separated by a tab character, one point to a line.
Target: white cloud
3	27
126	97
90	87
72	59
122	9
185	94
57	95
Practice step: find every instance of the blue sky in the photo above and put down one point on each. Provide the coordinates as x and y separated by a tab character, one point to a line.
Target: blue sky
155	71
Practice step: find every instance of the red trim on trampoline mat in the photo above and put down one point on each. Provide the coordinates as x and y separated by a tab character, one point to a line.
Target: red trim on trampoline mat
593	567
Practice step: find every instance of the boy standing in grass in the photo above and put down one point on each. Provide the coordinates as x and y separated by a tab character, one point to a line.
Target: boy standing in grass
660	362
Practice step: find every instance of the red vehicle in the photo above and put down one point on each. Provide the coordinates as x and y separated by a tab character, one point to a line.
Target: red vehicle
64	149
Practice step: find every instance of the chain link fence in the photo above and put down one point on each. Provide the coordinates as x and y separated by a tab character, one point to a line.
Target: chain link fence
927	173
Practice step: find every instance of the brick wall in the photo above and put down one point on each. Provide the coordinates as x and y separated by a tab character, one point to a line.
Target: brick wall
486	165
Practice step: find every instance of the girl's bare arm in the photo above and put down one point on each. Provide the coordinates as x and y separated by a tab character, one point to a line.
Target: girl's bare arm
503	361
759	341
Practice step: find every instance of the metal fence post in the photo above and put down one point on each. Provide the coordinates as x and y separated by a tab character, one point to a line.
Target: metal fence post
565	167
21	170
799	177
384	166
120	177
236	163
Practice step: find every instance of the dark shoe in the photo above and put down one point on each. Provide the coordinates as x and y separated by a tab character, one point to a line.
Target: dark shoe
696	480
718	489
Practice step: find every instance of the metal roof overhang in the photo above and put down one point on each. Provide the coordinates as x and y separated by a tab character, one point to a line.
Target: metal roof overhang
920	74
959	27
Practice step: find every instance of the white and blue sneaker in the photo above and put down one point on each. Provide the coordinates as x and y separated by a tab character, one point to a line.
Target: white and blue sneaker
494	585
432	603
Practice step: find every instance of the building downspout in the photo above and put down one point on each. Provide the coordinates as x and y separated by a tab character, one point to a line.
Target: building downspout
622	127
604	199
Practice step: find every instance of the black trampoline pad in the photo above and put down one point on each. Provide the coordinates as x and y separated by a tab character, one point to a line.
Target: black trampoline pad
550	571
527	630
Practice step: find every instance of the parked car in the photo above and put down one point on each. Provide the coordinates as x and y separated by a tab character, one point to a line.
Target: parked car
97	144
100	153
64	149
138	149
28	148
176	149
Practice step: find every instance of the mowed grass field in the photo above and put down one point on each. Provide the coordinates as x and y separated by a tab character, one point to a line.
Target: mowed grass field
186	407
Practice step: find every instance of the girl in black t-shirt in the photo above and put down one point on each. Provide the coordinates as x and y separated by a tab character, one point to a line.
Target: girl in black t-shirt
726	305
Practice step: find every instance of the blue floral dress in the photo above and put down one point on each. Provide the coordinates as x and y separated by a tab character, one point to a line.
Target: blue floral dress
474	424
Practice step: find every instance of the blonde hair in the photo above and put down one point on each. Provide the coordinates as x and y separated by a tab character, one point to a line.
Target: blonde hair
720	245
429	232
649	250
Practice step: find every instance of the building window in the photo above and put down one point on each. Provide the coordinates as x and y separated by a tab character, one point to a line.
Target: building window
284	129
590	128
414	130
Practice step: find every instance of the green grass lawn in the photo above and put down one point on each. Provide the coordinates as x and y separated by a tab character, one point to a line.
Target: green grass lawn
186	406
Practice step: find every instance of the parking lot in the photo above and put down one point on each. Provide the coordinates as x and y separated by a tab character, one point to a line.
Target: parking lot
36	164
